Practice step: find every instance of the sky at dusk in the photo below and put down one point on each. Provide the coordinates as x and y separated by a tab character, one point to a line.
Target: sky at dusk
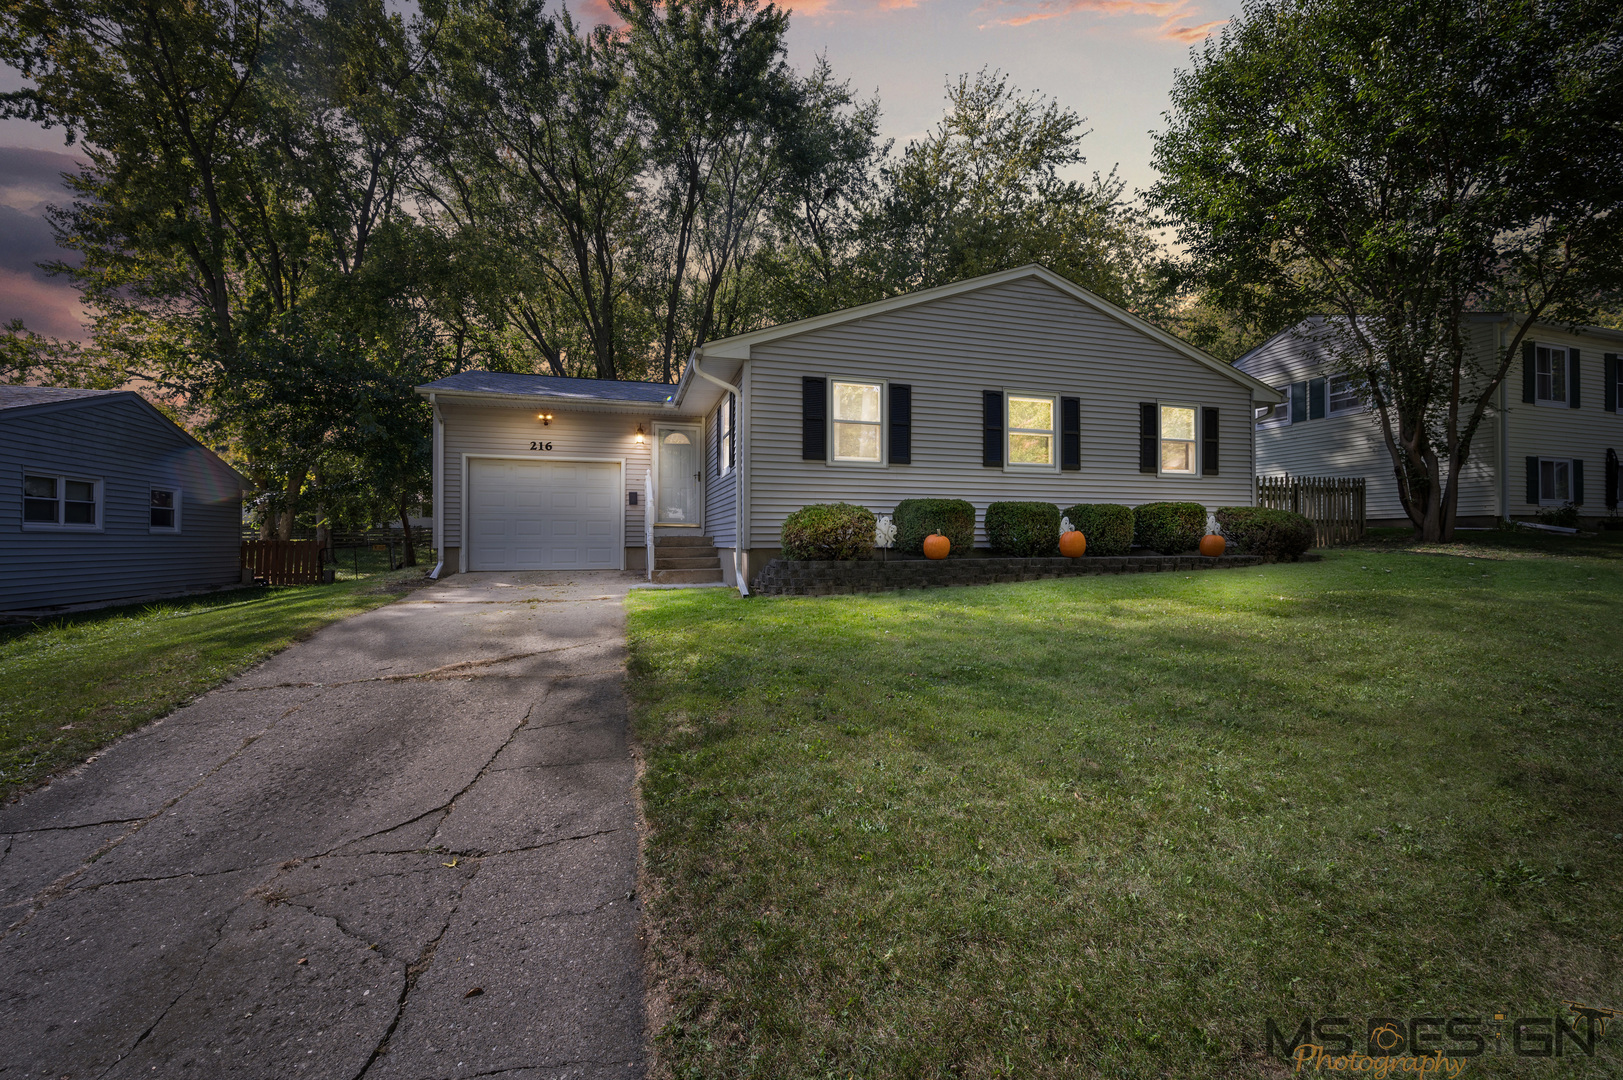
1112	61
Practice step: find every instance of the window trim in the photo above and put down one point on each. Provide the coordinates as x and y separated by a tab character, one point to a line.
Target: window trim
61	480
1009	431
1566	378
883	424
724	435
1552	500
1161	438
174	529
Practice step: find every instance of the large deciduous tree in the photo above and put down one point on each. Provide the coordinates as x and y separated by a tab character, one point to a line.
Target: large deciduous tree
1399	167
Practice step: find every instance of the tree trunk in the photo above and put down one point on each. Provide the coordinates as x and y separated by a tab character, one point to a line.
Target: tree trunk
295	483
405	526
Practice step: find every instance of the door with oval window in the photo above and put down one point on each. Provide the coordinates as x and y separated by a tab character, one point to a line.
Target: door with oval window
681	476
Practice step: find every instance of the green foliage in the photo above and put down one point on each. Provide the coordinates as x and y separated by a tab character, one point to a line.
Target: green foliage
1257	530
828	531
918	518
1108	527
1565	515
1401	167
1023	529
1170	528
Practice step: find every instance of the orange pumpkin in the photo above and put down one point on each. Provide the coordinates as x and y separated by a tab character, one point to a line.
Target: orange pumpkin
936	546
1212	546
1072	544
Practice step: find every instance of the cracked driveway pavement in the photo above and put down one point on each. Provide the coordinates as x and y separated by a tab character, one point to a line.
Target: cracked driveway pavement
404	849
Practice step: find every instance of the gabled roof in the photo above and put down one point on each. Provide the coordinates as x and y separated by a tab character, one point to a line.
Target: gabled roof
17	397
738	347
551	387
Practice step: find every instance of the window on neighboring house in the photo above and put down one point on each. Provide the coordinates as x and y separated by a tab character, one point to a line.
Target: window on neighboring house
1278	414
1178	439
1554	480
1551	374
724	442
164	511
63	502
1031	431
1346	394
856	421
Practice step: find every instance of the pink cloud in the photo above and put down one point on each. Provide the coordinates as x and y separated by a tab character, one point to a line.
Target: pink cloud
1174	14
50	308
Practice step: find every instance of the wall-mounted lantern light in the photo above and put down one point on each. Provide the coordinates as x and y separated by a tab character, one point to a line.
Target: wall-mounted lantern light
639	435
545	418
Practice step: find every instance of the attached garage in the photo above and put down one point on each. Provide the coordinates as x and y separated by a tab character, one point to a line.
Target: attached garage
528	514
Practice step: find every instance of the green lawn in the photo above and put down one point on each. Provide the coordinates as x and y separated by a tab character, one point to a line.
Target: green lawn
71	685
1111	826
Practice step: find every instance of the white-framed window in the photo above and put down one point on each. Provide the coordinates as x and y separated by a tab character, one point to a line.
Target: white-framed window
1346	393
163	509
55	501
1179	456
1550	372
724	442
856	417
1031	431
1554	481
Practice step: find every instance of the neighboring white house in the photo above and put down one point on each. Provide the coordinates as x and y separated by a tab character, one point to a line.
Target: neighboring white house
1016	385
1546	442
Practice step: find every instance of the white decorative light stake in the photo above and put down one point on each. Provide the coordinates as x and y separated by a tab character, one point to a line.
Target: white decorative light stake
1065	526
884	532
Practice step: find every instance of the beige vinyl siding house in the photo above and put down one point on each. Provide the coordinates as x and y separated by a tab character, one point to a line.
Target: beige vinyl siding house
1308	435
1017	385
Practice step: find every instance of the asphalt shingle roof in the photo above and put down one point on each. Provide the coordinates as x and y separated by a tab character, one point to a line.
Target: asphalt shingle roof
496	382
15	397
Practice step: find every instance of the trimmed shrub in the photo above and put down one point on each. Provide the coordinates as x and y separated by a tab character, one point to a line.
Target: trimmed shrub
1023	529
1257	530
1108	527
828	531
917	518
1170	528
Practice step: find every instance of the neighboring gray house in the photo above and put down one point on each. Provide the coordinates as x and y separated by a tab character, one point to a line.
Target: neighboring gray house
1553	426
104	498
1016	385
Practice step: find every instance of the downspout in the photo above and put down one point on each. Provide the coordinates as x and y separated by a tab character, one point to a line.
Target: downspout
1504	433
438	490
738	472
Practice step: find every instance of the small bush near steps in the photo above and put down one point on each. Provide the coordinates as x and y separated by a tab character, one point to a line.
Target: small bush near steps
1023	529
1170	528
827	531
1108	527
1257	530
918	518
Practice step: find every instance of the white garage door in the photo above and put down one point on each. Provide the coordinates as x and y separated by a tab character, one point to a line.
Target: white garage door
544	515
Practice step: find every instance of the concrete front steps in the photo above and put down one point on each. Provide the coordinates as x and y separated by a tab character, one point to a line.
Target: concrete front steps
685	560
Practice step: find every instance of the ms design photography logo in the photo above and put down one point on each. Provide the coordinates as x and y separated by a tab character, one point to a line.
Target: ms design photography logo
1384	1046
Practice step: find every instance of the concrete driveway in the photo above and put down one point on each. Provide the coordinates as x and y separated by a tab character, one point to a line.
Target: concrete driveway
405	849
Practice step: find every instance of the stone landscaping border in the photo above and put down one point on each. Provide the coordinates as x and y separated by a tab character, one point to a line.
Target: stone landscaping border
791	577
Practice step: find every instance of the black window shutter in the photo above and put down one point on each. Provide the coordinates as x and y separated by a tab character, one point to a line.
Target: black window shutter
901	424
813	419
1610	369
1532	480
1577	481
1298	402
1573	382
1529	373
992	428
1208	438
1316	398
1070	434
732	431
1149	433
1611	479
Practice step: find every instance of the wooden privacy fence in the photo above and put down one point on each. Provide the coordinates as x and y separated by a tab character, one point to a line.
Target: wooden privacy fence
283	562
1335	504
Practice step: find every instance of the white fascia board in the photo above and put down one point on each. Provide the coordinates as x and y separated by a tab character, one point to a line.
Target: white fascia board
739	347
525	401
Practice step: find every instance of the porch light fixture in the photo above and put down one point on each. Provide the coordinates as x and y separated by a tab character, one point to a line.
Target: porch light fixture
545	418
639	435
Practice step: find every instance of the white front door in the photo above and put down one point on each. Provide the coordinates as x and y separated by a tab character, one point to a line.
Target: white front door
681	476
544	515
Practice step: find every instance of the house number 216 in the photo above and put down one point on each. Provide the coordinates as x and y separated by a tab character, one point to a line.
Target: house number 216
540	445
